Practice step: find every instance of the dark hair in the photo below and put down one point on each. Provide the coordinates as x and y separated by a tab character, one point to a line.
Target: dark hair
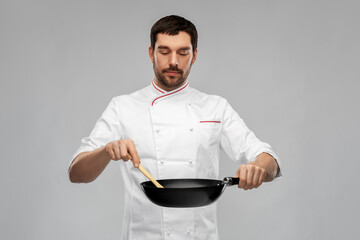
172	25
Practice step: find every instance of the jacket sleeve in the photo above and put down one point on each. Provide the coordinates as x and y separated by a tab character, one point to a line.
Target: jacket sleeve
239	142
105	130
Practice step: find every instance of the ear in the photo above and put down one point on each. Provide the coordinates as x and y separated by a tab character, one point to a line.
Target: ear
194	57
151	54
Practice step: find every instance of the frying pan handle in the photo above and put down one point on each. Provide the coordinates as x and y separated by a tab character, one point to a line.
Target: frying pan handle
229	181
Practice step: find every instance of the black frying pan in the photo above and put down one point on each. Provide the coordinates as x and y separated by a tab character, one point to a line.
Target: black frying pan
182	193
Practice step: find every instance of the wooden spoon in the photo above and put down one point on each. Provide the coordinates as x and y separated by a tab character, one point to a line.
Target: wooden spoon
148	175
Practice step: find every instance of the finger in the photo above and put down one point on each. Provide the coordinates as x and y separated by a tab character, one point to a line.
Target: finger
116	150
261	178
256	178
242	176
109	151
135	156
258	185
123	151
249	177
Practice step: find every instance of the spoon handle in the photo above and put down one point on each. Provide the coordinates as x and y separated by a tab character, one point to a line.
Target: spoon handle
147	174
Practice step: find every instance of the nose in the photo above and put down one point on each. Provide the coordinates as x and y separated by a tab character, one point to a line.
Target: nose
173	61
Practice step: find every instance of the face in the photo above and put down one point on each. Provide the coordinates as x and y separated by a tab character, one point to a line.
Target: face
172	59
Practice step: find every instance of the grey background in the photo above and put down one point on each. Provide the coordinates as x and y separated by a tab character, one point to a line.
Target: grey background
290	68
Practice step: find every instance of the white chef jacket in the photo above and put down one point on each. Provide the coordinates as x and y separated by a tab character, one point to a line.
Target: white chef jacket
177	134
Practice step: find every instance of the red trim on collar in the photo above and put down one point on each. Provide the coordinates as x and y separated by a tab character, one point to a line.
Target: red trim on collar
210	121
157	88
169	94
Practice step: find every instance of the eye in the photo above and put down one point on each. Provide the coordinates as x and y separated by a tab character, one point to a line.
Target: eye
184	52
163	51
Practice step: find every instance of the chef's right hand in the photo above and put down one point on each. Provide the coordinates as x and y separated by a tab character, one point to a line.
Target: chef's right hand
123	149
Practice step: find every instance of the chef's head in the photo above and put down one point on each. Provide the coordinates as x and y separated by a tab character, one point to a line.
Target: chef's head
173	50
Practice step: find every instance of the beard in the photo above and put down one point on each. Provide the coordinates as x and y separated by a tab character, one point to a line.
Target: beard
171	82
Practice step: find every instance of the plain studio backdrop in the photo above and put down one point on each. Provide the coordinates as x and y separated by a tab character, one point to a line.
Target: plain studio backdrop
289	68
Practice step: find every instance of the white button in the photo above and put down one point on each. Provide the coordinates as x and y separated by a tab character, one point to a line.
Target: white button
188	232
191	129
168	232
157	130
162	162
190	161
189	104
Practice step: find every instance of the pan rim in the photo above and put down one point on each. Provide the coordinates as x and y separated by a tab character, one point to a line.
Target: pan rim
221	183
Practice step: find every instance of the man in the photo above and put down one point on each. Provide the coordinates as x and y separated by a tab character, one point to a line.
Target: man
175	131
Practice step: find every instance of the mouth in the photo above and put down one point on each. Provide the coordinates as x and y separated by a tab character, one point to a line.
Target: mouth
172	73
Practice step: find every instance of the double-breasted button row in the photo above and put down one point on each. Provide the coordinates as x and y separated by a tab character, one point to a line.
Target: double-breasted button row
188	232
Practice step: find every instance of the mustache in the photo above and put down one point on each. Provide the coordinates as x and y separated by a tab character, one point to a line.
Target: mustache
173	69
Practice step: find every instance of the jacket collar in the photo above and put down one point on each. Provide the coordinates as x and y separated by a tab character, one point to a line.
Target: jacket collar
161	93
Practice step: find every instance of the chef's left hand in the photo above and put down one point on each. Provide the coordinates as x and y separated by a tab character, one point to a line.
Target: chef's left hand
250	176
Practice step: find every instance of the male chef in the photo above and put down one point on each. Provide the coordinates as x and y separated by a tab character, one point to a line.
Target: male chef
175	131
